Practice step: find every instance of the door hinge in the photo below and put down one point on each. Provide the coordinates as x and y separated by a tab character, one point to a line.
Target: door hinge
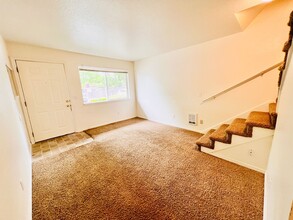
33	134
17	69
25	104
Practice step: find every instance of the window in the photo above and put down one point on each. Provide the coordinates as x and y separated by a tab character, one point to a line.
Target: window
102	86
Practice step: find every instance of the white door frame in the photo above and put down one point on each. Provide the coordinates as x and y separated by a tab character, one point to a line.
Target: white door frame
22	97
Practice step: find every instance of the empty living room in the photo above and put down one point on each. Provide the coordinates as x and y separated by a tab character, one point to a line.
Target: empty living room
146	110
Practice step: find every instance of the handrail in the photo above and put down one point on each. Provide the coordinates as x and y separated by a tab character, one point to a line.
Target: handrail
243	82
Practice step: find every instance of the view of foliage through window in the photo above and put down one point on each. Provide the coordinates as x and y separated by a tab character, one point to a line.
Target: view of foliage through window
98	86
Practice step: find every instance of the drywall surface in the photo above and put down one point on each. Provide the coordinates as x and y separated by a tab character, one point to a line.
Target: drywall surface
15	159
85	116
253	154
172	85
279	175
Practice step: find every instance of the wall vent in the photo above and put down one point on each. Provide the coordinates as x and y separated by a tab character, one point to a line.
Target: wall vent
192	119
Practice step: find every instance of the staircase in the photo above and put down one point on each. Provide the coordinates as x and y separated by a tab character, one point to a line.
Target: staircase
256	128
252	135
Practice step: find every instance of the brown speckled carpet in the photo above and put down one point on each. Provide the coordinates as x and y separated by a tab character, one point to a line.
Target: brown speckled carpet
139	169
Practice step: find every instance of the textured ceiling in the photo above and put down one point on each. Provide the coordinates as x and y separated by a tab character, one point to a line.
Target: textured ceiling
123	29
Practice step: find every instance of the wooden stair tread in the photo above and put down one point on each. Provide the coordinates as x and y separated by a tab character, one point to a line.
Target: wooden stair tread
205	140
238	127
259	119
272	109
221	135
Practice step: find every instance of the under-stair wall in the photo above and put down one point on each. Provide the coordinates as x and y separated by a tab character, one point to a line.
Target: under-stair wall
244	141
251	152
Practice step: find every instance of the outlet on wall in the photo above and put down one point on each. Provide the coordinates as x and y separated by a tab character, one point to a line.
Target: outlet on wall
251	153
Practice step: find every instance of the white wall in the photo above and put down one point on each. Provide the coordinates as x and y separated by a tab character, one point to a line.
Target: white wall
171	85
85	116
279	175
15	160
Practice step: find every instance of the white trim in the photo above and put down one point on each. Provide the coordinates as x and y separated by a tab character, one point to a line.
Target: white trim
107	101
101	69
22	100
9	67
36	61
105	70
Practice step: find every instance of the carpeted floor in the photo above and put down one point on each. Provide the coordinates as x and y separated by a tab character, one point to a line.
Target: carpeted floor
139	169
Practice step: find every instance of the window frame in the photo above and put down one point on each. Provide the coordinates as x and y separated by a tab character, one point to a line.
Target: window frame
110	70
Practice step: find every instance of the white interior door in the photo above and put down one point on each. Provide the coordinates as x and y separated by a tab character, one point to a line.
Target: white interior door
47	98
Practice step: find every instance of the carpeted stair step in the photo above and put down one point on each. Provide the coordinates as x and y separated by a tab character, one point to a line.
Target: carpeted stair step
238	127
272	109
205	140
273	113
221	135
259	119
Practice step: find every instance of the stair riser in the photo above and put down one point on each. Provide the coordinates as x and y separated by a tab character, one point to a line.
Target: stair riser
258	133
235	139
227	140
242	135
211	146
